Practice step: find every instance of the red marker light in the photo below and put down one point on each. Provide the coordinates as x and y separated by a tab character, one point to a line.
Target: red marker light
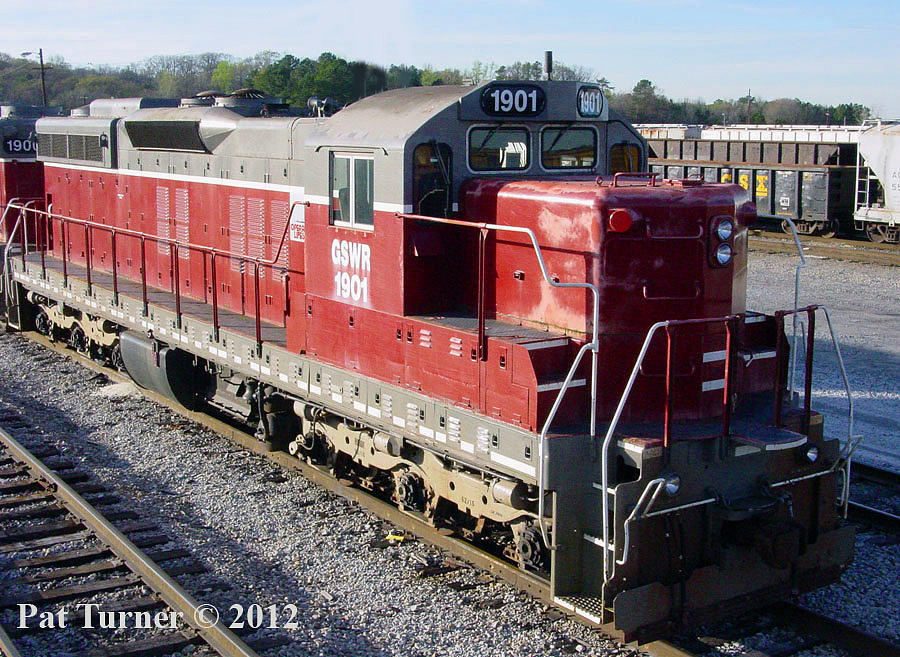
620	221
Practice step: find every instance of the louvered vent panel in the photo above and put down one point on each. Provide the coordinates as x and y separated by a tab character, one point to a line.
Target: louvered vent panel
92	150
256	230
58	146
76	147
162	218
182	222
45	145
237	214
279	213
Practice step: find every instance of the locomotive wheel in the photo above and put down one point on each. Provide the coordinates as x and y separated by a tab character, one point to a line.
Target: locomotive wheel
785	227
115	358
533	554
78	340
42	323
409	491
875	233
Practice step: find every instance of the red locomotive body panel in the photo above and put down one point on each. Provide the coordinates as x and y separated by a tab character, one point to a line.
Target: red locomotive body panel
236	219
22	179
660	268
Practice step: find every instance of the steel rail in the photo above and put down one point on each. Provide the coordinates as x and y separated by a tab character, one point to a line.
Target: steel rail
806	622
869	514
875	474
525	581
7	647
218	636
852	639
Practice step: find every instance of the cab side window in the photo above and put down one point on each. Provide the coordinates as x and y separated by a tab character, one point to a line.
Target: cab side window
432	179
624	158
352	190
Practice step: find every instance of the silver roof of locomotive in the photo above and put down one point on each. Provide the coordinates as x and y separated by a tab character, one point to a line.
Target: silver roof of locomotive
387	119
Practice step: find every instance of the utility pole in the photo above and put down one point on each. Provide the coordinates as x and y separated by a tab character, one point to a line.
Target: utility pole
749	98
40	53
43	80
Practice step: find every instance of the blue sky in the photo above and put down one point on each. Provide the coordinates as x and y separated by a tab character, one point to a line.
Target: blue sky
827	52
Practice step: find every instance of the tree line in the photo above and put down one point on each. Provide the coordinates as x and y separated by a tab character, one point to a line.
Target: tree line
295	80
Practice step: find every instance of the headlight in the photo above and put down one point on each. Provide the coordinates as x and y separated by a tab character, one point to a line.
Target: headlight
812	454
725	229
672	485
724	254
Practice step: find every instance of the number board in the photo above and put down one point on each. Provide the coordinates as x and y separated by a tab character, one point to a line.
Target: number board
590	101
17	145
513	100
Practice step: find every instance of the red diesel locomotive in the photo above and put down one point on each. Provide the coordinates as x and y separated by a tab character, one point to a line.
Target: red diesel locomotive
472	300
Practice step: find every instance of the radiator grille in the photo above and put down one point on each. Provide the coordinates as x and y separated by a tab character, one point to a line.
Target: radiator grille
76	147
58	146
45	145
92	150
83	147
256	230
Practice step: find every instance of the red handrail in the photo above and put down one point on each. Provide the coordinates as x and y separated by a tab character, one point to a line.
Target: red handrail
47	217
729	321
779	350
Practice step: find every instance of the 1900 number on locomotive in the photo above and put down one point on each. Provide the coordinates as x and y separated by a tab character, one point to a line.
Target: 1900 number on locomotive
15	145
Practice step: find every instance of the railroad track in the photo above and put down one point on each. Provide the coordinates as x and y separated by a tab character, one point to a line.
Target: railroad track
865	513
798	630
44	508
837	248
822	628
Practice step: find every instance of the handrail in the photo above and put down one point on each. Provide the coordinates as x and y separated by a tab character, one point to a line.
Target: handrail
613	425
801	266
594	346
174	245
846	454
635	174
843	461
21	224
660	483
168	240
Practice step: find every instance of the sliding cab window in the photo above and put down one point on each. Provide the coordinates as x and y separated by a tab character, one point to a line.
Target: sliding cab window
565	147
624	158
352	190
498	149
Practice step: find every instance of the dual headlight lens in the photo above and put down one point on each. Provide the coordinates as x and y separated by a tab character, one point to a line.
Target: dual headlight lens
724	253
725	229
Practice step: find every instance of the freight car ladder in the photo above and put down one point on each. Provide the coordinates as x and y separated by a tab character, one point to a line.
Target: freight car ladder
864	181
